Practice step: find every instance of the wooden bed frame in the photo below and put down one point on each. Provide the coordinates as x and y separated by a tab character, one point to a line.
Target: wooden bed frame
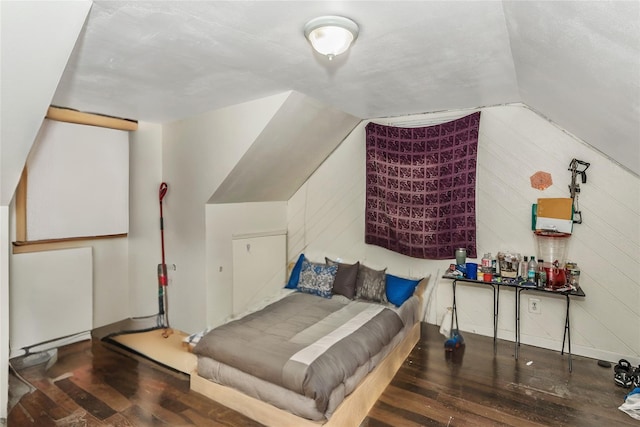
350	412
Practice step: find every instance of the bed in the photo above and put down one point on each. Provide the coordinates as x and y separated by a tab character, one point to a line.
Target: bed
312	358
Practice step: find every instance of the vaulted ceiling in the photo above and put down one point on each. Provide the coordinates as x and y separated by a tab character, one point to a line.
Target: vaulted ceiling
576	63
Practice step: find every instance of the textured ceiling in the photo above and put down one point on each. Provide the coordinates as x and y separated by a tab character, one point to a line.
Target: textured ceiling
577	63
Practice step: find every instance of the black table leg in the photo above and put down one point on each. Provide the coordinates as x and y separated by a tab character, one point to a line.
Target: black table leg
517	326
496	308
567	334
454	315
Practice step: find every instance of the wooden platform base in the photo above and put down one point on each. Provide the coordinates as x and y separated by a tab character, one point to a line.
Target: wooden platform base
350	413
169	351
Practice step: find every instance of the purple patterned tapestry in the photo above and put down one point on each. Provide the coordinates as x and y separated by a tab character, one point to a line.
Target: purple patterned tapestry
421	188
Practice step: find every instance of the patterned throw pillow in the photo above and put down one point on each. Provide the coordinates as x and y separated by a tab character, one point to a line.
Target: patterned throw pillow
345	283
371	284
317	279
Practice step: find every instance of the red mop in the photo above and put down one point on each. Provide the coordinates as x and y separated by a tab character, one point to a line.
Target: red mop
163	300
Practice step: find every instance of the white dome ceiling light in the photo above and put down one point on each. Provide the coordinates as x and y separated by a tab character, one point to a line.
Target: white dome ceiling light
331	35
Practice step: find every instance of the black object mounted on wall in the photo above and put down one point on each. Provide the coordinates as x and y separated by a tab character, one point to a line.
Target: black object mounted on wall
577	167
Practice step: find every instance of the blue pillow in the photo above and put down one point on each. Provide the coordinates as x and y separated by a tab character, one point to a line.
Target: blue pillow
295	274
399	289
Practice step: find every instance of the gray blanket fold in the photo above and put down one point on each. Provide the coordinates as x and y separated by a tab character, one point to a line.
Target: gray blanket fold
304	343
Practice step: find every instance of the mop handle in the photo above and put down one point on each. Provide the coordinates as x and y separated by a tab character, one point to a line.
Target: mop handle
162	192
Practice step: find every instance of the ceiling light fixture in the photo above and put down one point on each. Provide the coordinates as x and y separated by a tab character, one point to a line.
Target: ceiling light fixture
331	35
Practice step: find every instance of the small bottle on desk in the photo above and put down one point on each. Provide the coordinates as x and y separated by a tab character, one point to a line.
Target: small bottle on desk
532	270
495	266
524	265
542	274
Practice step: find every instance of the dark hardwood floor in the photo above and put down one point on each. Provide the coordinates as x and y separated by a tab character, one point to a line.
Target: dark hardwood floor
93	383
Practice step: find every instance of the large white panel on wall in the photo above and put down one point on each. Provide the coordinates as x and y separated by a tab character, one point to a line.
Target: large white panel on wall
259	268
51	296
78	182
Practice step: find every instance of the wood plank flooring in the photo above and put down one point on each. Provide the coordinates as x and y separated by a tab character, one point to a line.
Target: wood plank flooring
96	384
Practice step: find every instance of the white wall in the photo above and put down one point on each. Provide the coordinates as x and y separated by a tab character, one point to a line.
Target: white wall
326	217
198	153
110	278
37	39
223	222
5	249
145	177
606	323
124	269
259	268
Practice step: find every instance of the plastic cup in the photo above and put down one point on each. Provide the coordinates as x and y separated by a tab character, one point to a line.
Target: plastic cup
472	271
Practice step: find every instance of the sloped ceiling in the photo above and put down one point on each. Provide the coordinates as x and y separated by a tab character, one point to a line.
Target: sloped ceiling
297	139
577	63
33	57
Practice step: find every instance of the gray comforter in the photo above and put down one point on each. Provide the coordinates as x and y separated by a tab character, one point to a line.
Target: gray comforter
304	343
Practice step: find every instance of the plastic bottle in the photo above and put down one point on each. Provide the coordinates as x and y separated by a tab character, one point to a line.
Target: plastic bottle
532	269
495	266
542	274
486	263
522	271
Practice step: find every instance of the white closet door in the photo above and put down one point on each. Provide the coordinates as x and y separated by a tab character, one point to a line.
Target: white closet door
259	268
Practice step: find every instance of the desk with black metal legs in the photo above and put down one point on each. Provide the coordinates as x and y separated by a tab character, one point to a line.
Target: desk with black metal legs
566	337
496	306
519	288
